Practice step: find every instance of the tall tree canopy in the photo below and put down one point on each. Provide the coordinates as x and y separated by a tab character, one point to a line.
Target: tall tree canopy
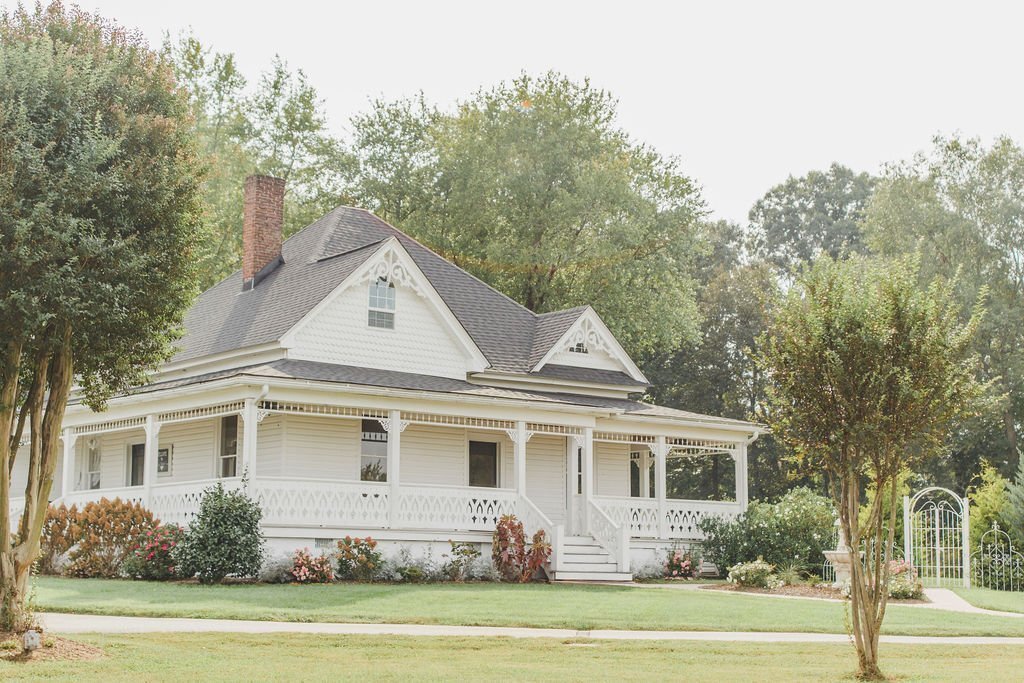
870	371
532	187
276	128
99	221
807	217
962	207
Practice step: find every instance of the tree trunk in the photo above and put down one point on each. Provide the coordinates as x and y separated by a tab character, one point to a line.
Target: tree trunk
863	583
16	560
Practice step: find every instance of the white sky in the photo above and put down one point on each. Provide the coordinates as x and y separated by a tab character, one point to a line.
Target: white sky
744	94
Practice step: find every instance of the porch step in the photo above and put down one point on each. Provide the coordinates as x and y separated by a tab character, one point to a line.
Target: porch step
601	567
587	558
595	577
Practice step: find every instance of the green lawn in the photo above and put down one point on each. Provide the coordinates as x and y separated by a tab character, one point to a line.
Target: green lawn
1003	601
541	605
229	657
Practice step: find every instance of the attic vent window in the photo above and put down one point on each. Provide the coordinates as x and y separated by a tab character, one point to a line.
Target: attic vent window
382	304
579	347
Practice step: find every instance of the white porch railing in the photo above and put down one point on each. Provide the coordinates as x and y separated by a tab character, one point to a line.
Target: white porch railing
534	519
315	502
460	508
612	536
178	503
131	494
643	518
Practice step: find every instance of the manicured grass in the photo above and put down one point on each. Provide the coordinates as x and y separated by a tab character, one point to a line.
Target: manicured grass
540	605
230	657
1003	601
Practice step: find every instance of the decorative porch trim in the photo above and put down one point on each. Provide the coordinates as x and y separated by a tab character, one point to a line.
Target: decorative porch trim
679	446
110	426
555	430
458	421
201	413
322	410
621	437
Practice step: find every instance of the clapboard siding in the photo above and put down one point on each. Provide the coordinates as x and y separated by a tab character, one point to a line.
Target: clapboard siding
321	448
545	475
420	342
611	469
193	447
434	455
270	446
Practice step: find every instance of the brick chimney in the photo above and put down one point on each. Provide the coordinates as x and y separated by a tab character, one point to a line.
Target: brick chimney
263	217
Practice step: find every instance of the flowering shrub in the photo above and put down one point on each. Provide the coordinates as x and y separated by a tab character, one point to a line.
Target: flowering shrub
309	569
903	581
460	560
681	564
56	539
152	554
102	534
756	574
359	559
536	556
792	532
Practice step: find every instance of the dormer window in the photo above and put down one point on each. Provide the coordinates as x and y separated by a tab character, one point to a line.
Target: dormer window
382	304
578	347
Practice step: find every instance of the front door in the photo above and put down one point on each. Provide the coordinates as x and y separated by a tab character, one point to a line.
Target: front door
137	464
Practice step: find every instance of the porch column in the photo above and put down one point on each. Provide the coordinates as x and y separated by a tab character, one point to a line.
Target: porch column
149	465
68	472
521	436
660	455
740	461
572	445
588	475
250	426
394	426
644	463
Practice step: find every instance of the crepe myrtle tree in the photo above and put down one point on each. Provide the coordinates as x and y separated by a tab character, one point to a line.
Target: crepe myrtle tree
869	372
98	221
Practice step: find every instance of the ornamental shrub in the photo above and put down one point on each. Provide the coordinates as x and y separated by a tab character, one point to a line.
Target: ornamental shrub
513	561
56	539
103	533
794	532
681	564
903	581
508	548
358	559
756	574
225	538
309	569
152	554
460	561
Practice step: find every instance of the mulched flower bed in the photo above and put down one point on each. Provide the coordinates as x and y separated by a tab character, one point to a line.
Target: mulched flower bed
54	648
801	591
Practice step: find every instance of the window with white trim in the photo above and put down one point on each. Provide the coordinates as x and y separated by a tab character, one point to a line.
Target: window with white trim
483	464
373	463
228	456
93	463
382	304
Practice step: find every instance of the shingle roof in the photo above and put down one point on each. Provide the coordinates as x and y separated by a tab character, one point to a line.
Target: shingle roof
345	374
319	257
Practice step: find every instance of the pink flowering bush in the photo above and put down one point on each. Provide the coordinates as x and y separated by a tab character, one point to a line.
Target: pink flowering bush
151	555
903	581
309	569
681	564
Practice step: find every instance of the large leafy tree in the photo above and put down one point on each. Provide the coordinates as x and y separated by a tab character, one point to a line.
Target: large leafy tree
869	373
962	207
276	127
718	374
532	187
813	215
99	221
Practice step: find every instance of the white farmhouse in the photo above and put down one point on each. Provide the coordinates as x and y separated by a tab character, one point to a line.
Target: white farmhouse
361	384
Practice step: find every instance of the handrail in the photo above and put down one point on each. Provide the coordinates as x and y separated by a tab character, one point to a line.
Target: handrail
611	536
533	516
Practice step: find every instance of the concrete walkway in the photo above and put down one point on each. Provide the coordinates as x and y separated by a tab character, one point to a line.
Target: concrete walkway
940	598
85	623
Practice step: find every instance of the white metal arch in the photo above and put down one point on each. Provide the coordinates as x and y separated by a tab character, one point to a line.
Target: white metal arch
936	536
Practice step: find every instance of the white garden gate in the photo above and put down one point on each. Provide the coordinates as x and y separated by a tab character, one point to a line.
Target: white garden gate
936	524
